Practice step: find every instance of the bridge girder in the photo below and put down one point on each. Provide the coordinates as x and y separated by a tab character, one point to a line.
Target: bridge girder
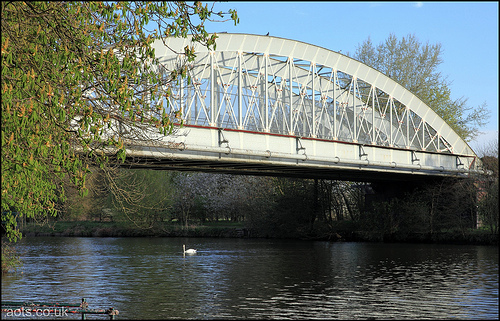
266	95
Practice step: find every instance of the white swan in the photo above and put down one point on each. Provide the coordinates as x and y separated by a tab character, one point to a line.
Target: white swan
190	251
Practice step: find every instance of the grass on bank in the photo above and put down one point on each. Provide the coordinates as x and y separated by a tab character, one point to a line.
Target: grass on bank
127	228
338	231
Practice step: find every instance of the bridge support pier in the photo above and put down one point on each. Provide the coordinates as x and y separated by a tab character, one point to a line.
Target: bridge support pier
389	190
385	191
422	209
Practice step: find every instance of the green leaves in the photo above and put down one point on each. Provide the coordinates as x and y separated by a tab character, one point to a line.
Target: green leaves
74	73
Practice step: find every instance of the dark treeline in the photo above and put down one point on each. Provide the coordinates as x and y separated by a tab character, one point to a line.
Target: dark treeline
287	207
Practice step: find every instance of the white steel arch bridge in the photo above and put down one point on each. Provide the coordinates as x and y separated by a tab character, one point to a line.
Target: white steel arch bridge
263	105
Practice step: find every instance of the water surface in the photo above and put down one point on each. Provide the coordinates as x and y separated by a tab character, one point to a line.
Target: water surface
150	278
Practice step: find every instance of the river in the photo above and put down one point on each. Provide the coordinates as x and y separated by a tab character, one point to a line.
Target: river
151	278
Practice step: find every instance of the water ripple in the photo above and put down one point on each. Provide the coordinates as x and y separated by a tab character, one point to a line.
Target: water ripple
260	279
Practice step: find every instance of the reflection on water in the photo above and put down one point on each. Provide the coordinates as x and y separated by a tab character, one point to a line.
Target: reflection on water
151	278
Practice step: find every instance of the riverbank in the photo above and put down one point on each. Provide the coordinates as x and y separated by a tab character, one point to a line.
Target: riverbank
125	229
240	230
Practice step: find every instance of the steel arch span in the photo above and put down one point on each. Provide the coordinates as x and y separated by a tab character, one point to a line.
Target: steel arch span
260	104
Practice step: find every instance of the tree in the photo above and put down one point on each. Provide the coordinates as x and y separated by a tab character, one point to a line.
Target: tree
488	186
414	65
488	205
73	74
295	208
212	196
152	196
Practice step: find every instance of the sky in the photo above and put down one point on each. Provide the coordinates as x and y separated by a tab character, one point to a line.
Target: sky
467	31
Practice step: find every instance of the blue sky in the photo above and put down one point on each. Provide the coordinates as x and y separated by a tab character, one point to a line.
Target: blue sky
467	31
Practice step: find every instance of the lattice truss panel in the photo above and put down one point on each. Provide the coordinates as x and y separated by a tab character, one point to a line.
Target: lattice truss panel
282	95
